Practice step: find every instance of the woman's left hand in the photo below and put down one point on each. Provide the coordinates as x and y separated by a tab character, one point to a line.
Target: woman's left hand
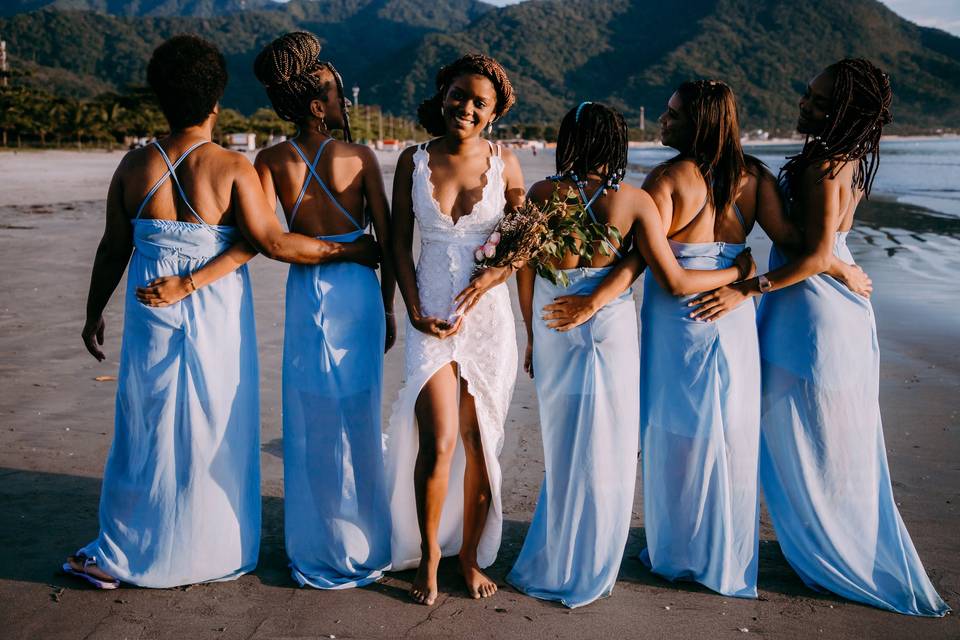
488	279
719	302
162	292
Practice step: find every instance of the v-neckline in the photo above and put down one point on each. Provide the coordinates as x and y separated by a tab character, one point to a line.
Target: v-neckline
483	191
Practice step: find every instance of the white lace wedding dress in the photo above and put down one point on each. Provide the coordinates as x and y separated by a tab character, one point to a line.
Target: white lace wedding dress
485	349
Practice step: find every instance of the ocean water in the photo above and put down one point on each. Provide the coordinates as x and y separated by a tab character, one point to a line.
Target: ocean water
924	173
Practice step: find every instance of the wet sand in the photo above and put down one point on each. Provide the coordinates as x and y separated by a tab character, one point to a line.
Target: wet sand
57	424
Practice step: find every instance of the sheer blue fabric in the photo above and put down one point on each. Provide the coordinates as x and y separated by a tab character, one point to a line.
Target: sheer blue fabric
587	384
180	502
823	461
336	514
700	420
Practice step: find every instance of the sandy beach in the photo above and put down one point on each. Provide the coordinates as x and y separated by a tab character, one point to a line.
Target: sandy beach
57	407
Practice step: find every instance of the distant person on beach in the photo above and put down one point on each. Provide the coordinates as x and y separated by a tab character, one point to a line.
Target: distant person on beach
823	461
180	502
446	430
338	324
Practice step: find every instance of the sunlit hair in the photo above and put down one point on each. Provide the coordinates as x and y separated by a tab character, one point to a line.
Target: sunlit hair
188	76
714	140
859	109
288	68
593	139
430	111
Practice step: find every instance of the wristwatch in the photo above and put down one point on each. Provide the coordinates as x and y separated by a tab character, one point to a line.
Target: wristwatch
764	283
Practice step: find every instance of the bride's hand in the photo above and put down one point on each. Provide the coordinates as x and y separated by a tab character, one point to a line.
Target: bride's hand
436	327
486	280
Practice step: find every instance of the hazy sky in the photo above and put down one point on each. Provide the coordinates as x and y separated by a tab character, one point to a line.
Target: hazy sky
943	14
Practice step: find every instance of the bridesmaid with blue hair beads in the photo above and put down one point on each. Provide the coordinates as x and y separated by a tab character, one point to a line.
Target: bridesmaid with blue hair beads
181	490
587	381
823	463
338	324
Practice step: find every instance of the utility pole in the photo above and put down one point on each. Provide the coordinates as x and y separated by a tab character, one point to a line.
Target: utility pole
4	68
643	119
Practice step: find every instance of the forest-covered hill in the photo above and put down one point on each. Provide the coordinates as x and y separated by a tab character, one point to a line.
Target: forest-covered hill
630	53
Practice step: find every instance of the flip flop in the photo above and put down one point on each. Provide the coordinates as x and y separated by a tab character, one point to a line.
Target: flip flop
96	582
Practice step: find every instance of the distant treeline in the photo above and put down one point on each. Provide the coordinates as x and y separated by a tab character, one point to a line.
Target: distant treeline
33	117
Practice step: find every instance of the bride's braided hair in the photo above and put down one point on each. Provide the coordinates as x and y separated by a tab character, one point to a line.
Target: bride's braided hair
860	109
287	68
429	112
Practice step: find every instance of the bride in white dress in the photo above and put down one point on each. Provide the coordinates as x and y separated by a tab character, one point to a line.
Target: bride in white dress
461	352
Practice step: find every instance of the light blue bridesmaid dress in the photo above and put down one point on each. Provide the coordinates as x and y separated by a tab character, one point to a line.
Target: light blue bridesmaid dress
180	502
336	515
587	383
700	422
823	462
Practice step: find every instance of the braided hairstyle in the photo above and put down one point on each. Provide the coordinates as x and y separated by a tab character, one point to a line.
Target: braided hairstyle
592	138
860	108
715	144
430	111
287	68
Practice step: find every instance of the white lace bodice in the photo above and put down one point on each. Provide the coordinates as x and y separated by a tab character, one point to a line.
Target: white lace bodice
446	249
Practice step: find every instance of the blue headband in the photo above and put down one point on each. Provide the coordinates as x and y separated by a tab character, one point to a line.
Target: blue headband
579	109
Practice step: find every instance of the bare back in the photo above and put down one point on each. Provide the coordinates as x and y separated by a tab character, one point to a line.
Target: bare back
340	167
681	195
207	177
616	208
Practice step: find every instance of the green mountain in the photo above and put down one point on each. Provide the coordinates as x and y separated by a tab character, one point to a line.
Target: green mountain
630	53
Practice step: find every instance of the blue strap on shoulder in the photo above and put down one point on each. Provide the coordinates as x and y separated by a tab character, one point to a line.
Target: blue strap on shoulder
743	224
171	172
312	173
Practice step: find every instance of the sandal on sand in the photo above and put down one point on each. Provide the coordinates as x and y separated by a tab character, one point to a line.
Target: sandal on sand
95	581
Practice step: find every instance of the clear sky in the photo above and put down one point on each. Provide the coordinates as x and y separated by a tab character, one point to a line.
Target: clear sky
942	14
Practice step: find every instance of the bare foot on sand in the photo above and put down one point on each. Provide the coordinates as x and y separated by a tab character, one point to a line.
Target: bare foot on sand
478	584
424	589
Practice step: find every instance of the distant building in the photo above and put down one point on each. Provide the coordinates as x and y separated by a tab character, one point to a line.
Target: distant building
242	141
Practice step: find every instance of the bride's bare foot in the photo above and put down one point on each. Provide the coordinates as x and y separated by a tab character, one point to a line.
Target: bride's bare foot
478	584
424	589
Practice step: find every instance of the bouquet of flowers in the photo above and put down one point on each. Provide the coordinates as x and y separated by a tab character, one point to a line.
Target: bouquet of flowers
540	235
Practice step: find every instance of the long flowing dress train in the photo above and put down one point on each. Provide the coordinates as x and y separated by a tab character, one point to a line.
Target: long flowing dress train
587	384
700	422
823	463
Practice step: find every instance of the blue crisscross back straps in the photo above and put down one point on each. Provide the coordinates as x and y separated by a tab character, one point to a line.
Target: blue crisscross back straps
312	174
172	174
588	205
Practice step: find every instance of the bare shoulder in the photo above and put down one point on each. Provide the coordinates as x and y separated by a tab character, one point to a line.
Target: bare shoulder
272	155
676	172
542	190
509	157
641	200
406	158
